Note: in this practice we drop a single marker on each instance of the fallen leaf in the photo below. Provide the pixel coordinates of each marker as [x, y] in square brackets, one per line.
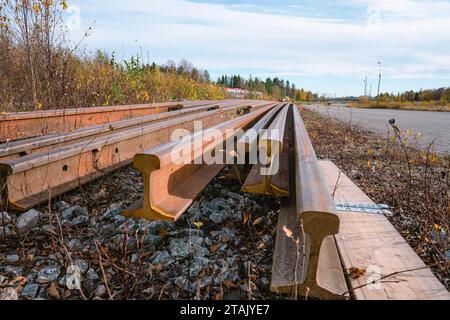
[229, 284]
[257, 221]
[356, 273]
[287, 232]
[163, 233]
[198, 224]
[53, 291]
[245, 218]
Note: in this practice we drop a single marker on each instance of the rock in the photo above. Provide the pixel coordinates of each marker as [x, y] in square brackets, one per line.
[27, 220]
[62, 282]
[74, 244]
[83, 265]
[5, 217]
[2, 279]
[163, 258]
[31, 276]
[73, 212]
[151, 240]
[61, 206]
[48, 274]
[355, 174]
[8, 294]
[267, 239]
[183, 247]
[182, 283]
[108, 231]
[132, 227]
[13, 271]
[235, 196]
[30, 291]
[438, 236]
[447, 255]
[5, 231]
[232, 203]
[114, 210]
[79, 220]
[134, 258]
[119, 219]
[92, 275]
[219, 204]
[90, 285]
[216, 217]
[155, 227]
[12, 258]
[265, 281]
[100, 291]
[197, 266]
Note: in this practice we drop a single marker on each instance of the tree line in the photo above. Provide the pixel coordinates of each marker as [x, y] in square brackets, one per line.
[430, 95]
[275, 88]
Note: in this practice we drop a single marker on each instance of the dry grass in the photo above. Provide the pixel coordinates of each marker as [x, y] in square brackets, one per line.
[419, 193]
[421, 106]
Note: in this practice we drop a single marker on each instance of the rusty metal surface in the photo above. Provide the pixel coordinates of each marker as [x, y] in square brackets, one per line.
[21, 148]
[315, 207]
[34, 179]
[170, 187]
[22, 125]
[277, 182]
[250, 140]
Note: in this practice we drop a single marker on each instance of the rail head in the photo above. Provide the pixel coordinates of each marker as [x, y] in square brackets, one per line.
[273, 138]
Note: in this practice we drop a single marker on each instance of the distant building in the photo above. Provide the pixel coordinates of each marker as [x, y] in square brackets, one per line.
[236, 93]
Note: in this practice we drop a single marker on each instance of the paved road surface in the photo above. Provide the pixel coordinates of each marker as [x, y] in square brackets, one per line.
[430, 124]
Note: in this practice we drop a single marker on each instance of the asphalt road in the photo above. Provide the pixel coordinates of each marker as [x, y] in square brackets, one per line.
[431, 125]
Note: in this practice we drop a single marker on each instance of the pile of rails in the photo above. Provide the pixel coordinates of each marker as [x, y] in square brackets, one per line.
[317, 246]
[33, 170]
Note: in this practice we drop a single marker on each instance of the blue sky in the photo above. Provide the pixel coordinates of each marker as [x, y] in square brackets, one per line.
[324, 46]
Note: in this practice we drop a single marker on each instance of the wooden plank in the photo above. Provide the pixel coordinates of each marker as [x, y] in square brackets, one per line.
[370, 242]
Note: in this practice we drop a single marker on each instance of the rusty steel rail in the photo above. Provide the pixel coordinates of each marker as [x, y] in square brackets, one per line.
[21, 125]
[170, 186]
[315, 212]
[250, 139]
[274, 142]
[35, 179]
[21, 148]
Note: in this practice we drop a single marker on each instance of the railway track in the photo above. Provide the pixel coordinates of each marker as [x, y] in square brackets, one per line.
[316, 244]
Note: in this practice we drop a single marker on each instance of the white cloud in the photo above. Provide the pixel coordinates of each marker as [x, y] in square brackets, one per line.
[412, 38]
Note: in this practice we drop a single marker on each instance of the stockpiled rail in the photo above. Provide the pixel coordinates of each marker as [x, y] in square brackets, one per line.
[171, 185]
[16, 149]
[35, 178]
[22, 125]
[316, 245]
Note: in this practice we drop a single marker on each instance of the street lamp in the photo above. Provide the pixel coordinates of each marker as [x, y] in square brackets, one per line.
[379, 81]
[365, 87]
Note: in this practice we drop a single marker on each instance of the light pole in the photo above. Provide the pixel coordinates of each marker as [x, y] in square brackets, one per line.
[370, 91]
[379, 81]
[365, 87]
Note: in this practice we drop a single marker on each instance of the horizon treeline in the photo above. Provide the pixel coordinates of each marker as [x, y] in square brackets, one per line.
[429, 95]
[275, 88]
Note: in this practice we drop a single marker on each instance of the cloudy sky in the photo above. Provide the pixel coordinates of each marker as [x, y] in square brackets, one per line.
[325, 46]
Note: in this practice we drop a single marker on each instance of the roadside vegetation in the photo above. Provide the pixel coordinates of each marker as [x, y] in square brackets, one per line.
[42, 69]
[414, 183]
[423, 100]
